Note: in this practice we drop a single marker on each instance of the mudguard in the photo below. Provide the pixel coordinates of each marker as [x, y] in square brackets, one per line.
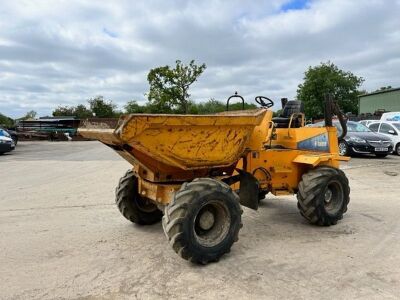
[249, 190]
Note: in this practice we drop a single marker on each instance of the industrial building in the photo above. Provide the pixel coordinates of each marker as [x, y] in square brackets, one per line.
[382, 101]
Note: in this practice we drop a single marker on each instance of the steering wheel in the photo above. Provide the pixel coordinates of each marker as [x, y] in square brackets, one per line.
[260, 100]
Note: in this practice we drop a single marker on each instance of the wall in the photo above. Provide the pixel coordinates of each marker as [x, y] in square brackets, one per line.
[390, 101]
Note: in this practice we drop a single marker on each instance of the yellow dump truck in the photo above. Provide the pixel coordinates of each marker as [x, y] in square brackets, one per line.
[194, 172]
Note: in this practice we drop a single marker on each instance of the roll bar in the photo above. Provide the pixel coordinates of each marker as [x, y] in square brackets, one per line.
[234, 96]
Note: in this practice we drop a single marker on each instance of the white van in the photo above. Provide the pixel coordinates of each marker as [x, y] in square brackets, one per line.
[391, 130]
[391, 116]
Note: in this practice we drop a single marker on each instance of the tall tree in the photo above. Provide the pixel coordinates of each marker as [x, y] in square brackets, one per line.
[82, 112]
[132, 107]
[102, 108]
[6, 121]
[328, 78]
[169, 87]
[63, 111]
[29, 115]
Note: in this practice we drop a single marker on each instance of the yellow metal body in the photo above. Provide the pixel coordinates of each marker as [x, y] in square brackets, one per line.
[167, 150]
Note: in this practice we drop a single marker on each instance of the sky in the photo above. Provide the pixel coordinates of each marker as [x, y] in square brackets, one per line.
[63, 52]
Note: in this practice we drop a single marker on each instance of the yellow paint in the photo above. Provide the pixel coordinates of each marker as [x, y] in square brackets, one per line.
[185, 141]
[166, 149]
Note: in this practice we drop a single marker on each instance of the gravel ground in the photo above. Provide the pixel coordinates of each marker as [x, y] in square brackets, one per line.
[61, 236]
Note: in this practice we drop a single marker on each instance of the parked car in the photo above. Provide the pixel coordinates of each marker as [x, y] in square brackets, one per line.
[367, 122]
[14, 136]
[391, 130]
[361, 140]
[6, 142]
[12, 133]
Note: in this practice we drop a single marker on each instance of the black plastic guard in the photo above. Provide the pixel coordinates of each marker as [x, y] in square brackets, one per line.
[248, 192]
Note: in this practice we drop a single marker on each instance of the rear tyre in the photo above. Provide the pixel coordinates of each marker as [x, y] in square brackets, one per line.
[132, 206]
[203, 220]
[381, 155]
[343, 148]
[323, 195]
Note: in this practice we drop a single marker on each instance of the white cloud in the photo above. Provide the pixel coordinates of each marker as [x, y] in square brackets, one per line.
[64, 52]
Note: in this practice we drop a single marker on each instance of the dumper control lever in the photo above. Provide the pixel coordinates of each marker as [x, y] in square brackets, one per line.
[261, 100]
[332, 108]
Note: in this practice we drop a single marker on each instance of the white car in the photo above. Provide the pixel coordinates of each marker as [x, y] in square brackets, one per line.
[367, 122]
[391, 130]
[6, 142]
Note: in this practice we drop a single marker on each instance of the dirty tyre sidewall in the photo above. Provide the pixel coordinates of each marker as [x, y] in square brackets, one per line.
[179, 226]
[225, 244]
[311, 195]
[127, 197]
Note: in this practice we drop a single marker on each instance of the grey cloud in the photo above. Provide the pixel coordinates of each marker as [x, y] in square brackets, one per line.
[52, 55]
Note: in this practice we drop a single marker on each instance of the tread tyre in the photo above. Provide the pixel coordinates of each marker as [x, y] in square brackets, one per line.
[131, 205]
[203, 220]
[343, 148]
[323, 195]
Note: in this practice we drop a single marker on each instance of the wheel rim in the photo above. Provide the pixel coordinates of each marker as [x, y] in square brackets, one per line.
[212, 223]
[333, 197]
[145, 205]
[342, 148]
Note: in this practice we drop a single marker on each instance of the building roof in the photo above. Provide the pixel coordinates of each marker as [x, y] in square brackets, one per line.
[381, 92]
[52, 120]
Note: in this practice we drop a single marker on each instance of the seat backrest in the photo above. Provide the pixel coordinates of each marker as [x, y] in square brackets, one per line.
[291, 107]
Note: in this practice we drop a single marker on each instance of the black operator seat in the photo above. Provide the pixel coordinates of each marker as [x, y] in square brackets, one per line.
[291, 107]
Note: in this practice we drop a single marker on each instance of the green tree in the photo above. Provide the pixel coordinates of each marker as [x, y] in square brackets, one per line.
[82, 112]
[328, 78]
[277, 113]
[169, 87]
[6, 121]
[211, 106]
[239, 106]
[102, 108]
[384, 88]
[132, 107]
[29, 115]
[63, 111]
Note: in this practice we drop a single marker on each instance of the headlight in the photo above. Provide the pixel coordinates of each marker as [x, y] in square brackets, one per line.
[388, 143]
[356, 139]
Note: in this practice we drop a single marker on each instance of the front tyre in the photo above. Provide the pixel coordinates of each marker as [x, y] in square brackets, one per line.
[397, 149]
[131, 205]
[323, 195]
[203, 220]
